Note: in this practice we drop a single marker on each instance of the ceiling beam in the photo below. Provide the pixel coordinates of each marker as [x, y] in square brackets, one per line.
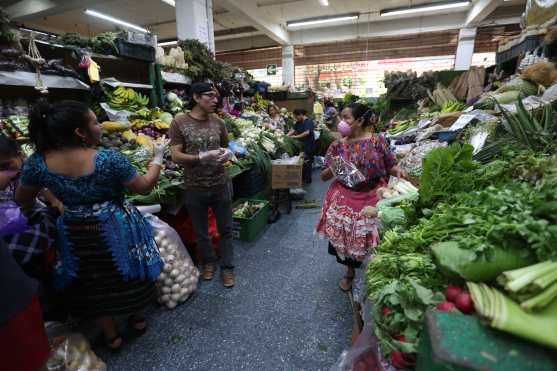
[481, 10]
[249, 9]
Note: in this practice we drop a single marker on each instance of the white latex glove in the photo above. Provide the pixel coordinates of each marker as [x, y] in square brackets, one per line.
[158, 150]
[210, 156]
[225, 156]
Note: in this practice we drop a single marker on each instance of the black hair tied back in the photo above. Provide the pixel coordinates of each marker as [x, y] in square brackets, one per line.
[363, 113]
[52, 126]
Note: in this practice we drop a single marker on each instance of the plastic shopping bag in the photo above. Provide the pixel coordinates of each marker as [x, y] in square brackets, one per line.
[347, 173]
[179, 277]
[12, 220]
[73, 353]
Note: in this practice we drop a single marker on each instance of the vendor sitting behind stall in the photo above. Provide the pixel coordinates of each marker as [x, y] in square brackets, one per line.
[275, 120]
[303, 130]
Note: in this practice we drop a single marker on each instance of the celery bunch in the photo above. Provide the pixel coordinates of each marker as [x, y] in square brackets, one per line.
[504, 314]
[534, 286]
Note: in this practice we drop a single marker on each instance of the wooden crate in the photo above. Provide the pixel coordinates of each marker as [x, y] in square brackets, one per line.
[286, 176]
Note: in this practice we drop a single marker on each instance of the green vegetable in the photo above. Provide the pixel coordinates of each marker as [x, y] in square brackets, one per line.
[457, 262]
[535, 286]
[504, 314]
[489, 101]
[525, 87]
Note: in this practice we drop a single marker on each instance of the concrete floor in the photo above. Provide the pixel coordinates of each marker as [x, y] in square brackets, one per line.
[285, 313]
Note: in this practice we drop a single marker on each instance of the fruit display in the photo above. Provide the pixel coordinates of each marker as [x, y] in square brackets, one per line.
[15, 126]
[126, 99]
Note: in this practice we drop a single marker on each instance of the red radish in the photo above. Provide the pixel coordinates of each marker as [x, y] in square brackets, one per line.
[452, 292]
[398, 360]
[386, 310]
[446, 306]
[464, 303]
[400, 338]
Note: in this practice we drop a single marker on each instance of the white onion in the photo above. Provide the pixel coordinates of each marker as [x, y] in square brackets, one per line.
[180, 278]
[175, 297]
[171, 304]
[158, 239]
[174, 273]
[171, 258]
[166, 290]
[176, 288]
[168, 282]
[183, 298]
[165, 244]
[163, 276]
[165, 298]
[167, 268]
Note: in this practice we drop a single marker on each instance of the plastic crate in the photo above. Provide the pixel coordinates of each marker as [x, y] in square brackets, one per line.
[249, 183]
[135, 51]
[249, 230]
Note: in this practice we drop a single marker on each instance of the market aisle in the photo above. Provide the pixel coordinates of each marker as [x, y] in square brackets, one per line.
[285, 313]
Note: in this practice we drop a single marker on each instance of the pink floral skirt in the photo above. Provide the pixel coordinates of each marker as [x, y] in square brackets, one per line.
[352, 234]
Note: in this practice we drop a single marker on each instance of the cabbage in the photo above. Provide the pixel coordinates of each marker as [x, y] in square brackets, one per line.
[171, 97]
[166, 118]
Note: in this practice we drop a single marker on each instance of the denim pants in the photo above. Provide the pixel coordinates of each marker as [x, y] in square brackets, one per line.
[220, 201]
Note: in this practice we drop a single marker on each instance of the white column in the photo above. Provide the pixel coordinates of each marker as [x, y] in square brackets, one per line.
[194, 20]
[465, 49]
[288, 65]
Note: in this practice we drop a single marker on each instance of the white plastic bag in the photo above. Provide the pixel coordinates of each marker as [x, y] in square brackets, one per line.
[73, 353]
[179, 277]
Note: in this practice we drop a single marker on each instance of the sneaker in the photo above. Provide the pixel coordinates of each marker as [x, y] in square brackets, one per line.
[227, 278]
[209, 271]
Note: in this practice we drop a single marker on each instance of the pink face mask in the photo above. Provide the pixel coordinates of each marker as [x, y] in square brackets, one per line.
[344, 128]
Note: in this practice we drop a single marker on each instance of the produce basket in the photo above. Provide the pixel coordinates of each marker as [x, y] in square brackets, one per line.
[250, 228]
[135, 51]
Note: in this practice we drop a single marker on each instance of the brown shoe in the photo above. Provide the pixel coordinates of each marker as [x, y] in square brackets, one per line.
[227, 278]
[209, 271]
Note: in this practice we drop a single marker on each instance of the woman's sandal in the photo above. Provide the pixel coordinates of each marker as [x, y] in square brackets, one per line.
[345, 283]
[138, 330]
[110, 343]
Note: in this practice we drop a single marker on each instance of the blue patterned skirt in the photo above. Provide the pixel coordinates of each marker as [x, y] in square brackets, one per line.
[107, 260]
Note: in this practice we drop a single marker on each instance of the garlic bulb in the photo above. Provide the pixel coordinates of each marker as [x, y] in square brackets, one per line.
[171, 304]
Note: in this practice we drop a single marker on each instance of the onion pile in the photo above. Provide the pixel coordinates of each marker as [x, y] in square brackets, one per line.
[179, 276]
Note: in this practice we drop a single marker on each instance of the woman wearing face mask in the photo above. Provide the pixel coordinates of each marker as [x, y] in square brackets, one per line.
[107, 256]
[346, 218]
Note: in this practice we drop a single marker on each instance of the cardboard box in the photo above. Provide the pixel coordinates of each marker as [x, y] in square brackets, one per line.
[286, 176]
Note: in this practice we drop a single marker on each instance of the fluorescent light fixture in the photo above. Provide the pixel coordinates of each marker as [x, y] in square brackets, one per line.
[94, 13]
[424, 8]
[324, 2]
[167, 43]
[37, 31]
[321, 20]
[169, 2]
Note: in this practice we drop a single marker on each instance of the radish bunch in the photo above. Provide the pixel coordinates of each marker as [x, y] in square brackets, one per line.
[179, 276]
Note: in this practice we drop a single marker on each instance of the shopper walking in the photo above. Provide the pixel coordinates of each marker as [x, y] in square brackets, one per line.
[346, 219]
[22, 336]
[199, 142]
[107, 256]
[303, 129]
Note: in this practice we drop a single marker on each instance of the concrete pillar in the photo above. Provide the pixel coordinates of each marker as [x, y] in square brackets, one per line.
[465, 49]
[194, 20]
[288, 65]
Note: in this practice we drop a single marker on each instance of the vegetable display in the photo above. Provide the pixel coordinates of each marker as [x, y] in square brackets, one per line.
[247, 209]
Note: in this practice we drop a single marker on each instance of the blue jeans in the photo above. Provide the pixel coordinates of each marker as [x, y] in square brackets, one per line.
[220, 201]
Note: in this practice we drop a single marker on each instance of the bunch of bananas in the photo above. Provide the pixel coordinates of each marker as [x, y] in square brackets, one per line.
[128, 99]
[453, 106]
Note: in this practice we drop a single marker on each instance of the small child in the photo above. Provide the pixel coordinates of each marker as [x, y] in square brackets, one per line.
[29, 242]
